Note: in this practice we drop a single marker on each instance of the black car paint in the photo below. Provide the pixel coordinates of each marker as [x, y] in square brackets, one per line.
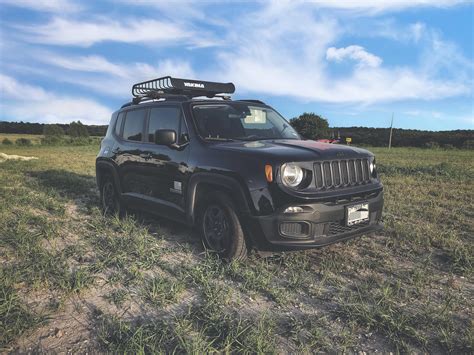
[145, 173]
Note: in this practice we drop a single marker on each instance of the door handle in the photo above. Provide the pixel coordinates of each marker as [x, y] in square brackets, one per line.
[146, 156]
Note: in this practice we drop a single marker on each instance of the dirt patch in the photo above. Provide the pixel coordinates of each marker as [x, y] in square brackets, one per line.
[5, 157]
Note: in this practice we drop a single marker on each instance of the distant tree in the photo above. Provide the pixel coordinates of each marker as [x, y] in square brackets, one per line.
[78, 130]
[52, 130]
[6, 141]
[311, 126]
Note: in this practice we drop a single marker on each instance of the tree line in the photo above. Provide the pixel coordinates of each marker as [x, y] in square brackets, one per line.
[73, 129]
[313, 126]
[309, 125]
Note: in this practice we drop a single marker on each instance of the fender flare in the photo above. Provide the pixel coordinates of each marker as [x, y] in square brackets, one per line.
[109, 167]
[224, 182]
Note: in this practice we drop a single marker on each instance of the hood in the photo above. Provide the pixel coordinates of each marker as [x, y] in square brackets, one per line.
[294, 150]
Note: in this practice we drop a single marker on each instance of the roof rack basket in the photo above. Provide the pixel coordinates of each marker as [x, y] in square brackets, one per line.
[166, 86]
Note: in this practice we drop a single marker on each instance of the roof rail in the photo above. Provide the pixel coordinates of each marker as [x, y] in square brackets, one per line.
[166, 86]
[137, 100]
[252, 100]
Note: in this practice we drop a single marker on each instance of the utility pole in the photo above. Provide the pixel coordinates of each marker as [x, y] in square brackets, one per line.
[391, 129]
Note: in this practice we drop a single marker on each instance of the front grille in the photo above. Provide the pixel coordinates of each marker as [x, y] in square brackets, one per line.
[341, 173]
[336, 228]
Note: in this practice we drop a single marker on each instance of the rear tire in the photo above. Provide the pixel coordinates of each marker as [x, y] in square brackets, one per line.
[220, 228]
[109, 198]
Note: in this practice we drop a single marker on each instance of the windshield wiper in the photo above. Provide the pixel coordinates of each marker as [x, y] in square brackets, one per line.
[218, 139]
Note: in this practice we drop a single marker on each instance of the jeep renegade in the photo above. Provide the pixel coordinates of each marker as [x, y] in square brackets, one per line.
[235, 169]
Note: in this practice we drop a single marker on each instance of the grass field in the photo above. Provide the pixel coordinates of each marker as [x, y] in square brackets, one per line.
[72, 280]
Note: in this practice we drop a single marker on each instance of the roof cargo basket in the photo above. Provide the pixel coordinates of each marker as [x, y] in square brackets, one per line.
[166, 86]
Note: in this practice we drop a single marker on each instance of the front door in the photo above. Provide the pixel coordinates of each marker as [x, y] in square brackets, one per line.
[167, 167]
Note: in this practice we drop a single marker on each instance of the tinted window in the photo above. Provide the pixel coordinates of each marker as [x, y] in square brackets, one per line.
[118, 124]
[133, 127]
[241, 121]
[163, 118]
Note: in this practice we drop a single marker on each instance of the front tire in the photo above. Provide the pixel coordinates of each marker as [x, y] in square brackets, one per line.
[221, 230]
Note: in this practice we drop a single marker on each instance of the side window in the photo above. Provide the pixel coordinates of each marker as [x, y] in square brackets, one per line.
[133, 127]
[118, 123]
[163, 118]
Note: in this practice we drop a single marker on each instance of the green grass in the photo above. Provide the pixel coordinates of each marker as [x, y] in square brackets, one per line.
[147, 285]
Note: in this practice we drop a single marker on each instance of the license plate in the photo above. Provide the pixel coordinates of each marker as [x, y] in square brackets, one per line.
[357, 213]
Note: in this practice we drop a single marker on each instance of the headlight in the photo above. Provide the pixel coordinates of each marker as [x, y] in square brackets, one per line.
[291, 174]
[372, 168]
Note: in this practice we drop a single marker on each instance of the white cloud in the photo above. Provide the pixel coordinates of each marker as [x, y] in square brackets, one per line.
[62, 31]
[26, 102]
[12, 89]
[424, 113]
[353, 52]
[112, 79]
[282, 50]
[417, 30]
[384, 5]
[92, 63]
[55, 6]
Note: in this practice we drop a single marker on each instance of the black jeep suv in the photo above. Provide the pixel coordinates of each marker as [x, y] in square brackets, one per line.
[236, 170]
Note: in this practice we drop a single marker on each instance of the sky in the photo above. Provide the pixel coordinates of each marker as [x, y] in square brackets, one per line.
[354, 62]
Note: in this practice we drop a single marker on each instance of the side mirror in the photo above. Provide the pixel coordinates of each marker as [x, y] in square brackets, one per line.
[165, 137]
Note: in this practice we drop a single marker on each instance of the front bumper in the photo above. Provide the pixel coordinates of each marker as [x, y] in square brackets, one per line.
[323, 224]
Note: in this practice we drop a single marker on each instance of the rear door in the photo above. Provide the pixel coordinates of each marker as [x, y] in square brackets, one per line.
[167, 167]
[129, 151]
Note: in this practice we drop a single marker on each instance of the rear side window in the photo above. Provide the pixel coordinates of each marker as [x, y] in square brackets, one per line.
[133, 127]
[118, 123]
[163, 118]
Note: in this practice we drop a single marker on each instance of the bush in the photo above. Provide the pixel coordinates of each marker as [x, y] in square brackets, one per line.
[78, 141]
[448, 146]
[431, 145]
[52, 130]
[6, 141]
[311, 126]
[23, 142]
[469, 144]
[78, 130]
[52, 140]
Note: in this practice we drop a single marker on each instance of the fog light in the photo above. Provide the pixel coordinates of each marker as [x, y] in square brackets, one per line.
[294, 209]
[298, 230]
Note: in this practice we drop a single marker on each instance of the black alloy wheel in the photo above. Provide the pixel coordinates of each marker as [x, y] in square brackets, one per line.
[216, 228]
[109, 198]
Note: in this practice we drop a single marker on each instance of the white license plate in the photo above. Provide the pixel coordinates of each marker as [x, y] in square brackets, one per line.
[357, 213]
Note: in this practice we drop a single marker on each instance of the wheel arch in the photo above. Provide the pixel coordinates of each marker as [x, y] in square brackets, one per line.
[201, 184]
[103, 168]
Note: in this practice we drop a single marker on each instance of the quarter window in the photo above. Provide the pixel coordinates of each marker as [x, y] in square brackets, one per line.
[133, 127]
[164, 118]
[118, 124]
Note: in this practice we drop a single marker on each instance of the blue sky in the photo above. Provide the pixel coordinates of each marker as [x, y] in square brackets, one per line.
[353, 62]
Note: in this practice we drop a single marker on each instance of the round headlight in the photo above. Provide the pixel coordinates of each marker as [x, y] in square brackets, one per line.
[291, 175]
[372, 167]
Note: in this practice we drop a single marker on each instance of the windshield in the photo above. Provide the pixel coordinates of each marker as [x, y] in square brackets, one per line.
[239, 121]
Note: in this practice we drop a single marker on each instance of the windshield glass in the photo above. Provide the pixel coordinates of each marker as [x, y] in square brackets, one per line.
[239, 121]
